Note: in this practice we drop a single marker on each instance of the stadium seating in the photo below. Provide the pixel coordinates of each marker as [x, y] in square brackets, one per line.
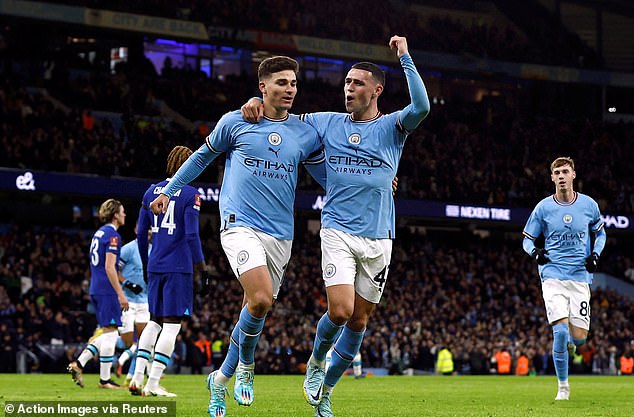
[471, 295]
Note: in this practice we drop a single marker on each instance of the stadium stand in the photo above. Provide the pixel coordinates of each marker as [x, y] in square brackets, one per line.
[451, 289]
[471, 295]
[455, 156]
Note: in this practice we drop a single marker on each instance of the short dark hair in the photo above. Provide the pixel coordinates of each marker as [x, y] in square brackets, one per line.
[377, 73]
[276, 64]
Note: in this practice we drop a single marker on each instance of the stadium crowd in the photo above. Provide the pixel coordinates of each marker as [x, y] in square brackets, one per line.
[473, 296]
[476, 153]
[445, 30]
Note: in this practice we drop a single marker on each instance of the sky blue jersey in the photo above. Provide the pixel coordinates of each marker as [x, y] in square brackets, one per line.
[131, 268]
[176, 245]
[567, 229]
[105, 240]
[258, 188]
[362, 158]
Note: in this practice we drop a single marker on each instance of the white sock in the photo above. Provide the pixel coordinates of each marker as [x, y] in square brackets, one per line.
[221, 379]
[106, 354]
[162, 353]
[356, 365]
[86, 354]
[144, 349]
[127, 354]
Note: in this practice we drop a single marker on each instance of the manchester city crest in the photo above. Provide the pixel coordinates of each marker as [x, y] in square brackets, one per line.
[354, 139]
[243, 256]
[329, 270]
[567, 218]
[275, 139]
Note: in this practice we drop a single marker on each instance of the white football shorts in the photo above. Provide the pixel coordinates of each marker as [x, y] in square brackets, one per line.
[136, 313]
[247, 248]
[354, 260]
[567, 299]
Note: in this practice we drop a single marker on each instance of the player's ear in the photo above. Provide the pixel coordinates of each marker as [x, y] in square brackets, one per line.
[377, 90]
[262, 87]
[574, 174]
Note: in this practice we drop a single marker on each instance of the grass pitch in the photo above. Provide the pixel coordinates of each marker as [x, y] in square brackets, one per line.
[281, 396]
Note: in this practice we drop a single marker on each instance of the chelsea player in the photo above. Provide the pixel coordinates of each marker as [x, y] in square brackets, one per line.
[256, 209]
[176, 249]
[105, 293]
[570, 222]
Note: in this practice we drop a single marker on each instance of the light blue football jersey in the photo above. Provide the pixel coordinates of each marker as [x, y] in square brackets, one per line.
[361, 160]
[258, 188]
[131, 268]
[567, 229]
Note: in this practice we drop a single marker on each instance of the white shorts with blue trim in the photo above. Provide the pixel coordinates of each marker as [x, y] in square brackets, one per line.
[567, 299]
[355, 260]
[137, 313]
[247, 248]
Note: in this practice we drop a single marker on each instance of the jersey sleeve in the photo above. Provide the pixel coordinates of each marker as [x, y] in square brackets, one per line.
[220, 139]
[597, 227]
[315, 162]
[192, 214]
[190, 170]
[412, 115]
[597, 222]
[142, 229]
[114, 243]
[316, 121]
[124, 256]
[533, 227]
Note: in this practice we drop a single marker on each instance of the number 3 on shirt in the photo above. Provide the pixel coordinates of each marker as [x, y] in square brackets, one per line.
[168, 220]
[94, 252]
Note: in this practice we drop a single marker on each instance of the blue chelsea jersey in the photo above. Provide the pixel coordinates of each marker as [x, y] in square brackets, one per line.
[170, 230]
[105, 240]
[567, 229]
[362, 158]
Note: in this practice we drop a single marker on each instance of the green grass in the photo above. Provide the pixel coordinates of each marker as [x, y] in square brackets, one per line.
[281, 396]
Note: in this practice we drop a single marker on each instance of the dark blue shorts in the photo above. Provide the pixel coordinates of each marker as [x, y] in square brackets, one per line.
[170, 294]
[108, 310]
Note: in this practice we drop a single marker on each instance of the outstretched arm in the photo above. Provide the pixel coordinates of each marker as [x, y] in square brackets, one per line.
[190, 169]
[415, 112]
[188, 172]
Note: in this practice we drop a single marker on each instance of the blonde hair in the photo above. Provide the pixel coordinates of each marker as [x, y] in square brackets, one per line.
[561, 161]
[108, 209]
[176, 158]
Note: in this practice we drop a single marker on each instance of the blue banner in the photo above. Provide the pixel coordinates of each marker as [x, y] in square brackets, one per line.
[31, 181]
